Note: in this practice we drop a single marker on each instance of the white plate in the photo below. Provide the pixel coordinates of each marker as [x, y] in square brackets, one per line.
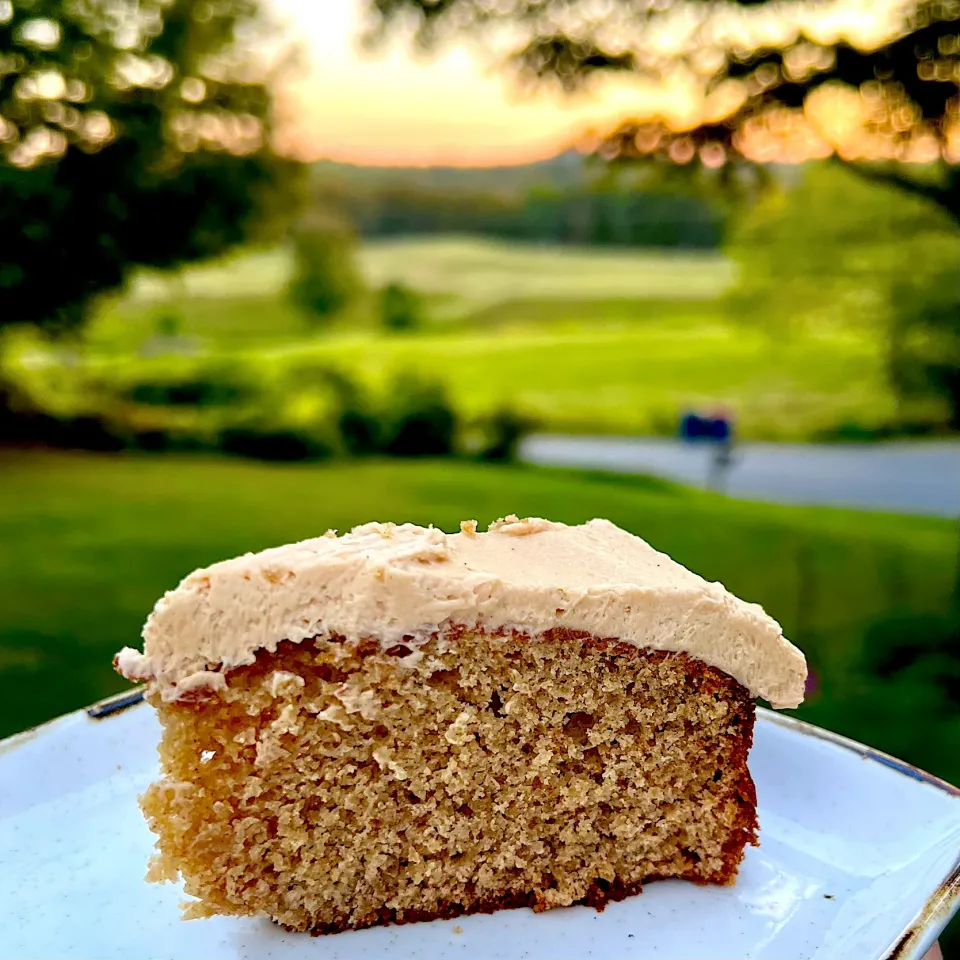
[858, 861]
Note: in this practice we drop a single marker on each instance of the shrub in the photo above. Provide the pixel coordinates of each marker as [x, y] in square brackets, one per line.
[21, 420]
[419, 420]
[174, 438]
[352, 415]
[359, 430]
[26, 419]
[269, 442]
[325, 276]
[500, 435]
[399, 307]
[152, 441]
[305, 410]
[87, 432]
[91, 432]
[909, 641]
[924, 347]
[168, 325]
[217, 384]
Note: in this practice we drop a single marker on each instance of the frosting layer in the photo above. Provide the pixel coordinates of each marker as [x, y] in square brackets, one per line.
[391, 582]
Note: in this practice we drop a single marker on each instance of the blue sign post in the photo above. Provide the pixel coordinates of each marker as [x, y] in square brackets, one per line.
[717, 431]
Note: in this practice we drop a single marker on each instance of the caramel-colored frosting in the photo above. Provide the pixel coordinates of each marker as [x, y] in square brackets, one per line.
[391, 582]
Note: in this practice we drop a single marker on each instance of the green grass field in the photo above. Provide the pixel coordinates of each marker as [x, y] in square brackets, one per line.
[604, 375]
[92, 541]
[579, 340]
[476, 271]
[464, 282]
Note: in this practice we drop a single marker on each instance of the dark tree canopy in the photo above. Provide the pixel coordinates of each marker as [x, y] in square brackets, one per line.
[769, 69]
[131, 132]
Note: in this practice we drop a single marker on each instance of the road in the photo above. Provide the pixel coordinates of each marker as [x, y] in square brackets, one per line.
[906, 477]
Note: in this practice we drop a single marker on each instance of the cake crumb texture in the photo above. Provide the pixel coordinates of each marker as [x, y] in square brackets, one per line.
[334, 785]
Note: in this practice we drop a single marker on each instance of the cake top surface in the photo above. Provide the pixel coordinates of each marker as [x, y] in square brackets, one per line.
[393, 582]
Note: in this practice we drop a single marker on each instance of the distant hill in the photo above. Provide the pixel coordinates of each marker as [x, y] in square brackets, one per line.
[566, 170]
[558, 200]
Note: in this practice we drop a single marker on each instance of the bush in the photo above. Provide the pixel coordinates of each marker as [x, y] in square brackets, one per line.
[399, 307]
[90, 433]
[500, 435]
[352, 416]
[217, 385]
[269, 442]
[168, 325]
[325, 277]
[187, 393]
[419, 421]
[924, 352]
[910, 642]
[21, 420]
[174, 438]
[412, 418]
[818, 254]
[304, 410]
[152, 441]
[359, 429]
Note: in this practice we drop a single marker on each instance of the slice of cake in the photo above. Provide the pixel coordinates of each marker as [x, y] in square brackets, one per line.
[401, 724]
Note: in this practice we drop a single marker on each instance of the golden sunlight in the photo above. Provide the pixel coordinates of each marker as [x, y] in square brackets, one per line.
[395, 108]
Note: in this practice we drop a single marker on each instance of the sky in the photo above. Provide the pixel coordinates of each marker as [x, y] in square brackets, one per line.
[393, 108]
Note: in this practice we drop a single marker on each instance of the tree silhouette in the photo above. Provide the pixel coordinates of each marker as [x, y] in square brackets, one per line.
[325, 274]
[131, 132]
[780, 80]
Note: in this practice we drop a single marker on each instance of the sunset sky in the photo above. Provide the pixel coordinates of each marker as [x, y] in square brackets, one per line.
[394, 109]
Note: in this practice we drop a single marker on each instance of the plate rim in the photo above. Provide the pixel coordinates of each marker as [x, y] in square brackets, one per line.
[913, 942]
[938, 909]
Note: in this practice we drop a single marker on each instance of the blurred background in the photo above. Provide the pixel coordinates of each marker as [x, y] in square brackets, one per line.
[273, 266]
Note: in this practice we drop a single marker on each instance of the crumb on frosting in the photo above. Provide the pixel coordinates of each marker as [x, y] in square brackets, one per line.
[513, 526]
[595, 577]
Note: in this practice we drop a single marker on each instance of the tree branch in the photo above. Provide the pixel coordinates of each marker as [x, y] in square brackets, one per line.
[894, 178]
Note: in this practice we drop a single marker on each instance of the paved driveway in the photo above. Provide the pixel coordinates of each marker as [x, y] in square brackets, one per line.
[907, 477]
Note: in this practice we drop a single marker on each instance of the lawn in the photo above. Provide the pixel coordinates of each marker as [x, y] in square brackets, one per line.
[463, 281]
[90, 542]
[473, 272]
[604, 367]
[578, 340]
[590, 371]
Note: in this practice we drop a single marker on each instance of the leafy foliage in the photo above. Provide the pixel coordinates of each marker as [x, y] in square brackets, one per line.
[828, 254]
[131, 132]
[419, 420]
[760, 65]
[325, 277]
[824, 249]
[309, 410]
[399, 307]
[925, 337]
[500, 435]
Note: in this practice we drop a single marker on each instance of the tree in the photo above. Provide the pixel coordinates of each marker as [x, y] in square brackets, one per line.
[774, 76]
[399, 307]
[924, 356]
[325, 275]
[827, 251]
[131, 132]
